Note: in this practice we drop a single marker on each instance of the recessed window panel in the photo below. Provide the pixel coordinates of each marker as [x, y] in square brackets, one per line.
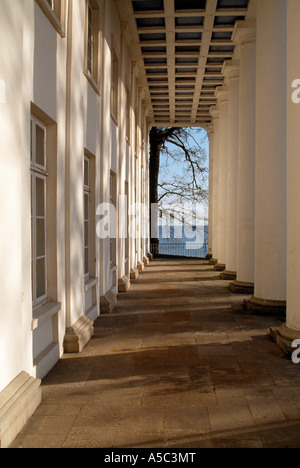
[40, 237]
[40, 197]
[40, 277]
[40, 146]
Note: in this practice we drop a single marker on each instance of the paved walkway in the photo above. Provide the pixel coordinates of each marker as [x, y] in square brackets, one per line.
[175, 366]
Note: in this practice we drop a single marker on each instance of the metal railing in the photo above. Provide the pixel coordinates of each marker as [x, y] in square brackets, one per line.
[179, 250]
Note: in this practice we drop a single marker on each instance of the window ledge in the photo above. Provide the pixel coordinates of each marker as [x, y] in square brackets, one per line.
[92, 82]
[90, 283]
[44, 5]
[44, 313]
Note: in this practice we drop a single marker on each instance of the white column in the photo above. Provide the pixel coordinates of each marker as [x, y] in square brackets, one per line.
[222, 96]
[291, 330]
[245, 37]
[231, 72]
[270, 203]
[215, 183]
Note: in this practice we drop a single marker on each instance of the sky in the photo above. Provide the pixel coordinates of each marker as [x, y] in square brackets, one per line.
[169, 168]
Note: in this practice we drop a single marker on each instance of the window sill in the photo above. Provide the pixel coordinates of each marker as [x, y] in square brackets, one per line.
[90, 283]
[44, 313]
[44, 5]
[92, 82]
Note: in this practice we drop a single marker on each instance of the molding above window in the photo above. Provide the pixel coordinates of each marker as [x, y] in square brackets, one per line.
[58, 22]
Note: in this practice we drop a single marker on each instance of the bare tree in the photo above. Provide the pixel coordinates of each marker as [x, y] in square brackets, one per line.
[177, 146]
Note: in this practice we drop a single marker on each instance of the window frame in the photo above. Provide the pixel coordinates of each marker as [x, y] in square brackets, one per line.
[86, 236]
[115, 86]
[37, 171]
[56, 13]
[89, 215]
[93, 72]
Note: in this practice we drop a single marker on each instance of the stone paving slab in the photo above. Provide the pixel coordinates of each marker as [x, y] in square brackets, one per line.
[179, 364]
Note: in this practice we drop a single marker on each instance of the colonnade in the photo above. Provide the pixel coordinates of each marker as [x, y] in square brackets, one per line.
[255, 141]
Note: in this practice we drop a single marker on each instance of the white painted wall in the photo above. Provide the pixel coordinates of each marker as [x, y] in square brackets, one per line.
[45, 75]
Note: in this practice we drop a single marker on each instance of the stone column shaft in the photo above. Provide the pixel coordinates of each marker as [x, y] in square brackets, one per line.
[231, 72]
[270, 203]
[215, 184]
[211, 189]
[290, 331]
[245, 37]
[222, 96]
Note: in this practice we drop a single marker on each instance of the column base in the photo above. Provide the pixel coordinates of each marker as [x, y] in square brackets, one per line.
[78, 336]
[140, 266]
[150, 256]
[208, 257]
[18, 402]
[124, 284]
[228, 275]
[146, 261]
[213, 261]
[134, 273]
[220, 267]
[108, 302]
[241, 287]
[284, 337]
[258, 306]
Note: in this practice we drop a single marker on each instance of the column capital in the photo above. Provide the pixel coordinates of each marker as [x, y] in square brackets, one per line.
[221, 94]
[231, 70]
[214, 111]
[244, 32]
[210, 129]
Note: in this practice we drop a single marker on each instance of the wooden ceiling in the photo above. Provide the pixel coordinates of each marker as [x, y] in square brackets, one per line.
[180, 47]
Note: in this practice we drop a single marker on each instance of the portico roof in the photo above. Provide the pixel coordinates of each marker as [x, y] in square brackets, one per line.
[180, 47]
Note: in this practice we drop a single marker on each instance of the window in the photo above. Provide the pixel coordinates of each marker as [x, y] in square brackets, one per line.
[92, 60]
[55, 10]
[55, 6]
[114, 85]
[86, 195]
[89, 215]
[38, 212]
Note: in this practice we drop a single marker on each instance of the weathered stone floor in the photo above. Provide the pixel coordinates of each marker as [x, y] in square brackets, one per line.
[175, 366]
